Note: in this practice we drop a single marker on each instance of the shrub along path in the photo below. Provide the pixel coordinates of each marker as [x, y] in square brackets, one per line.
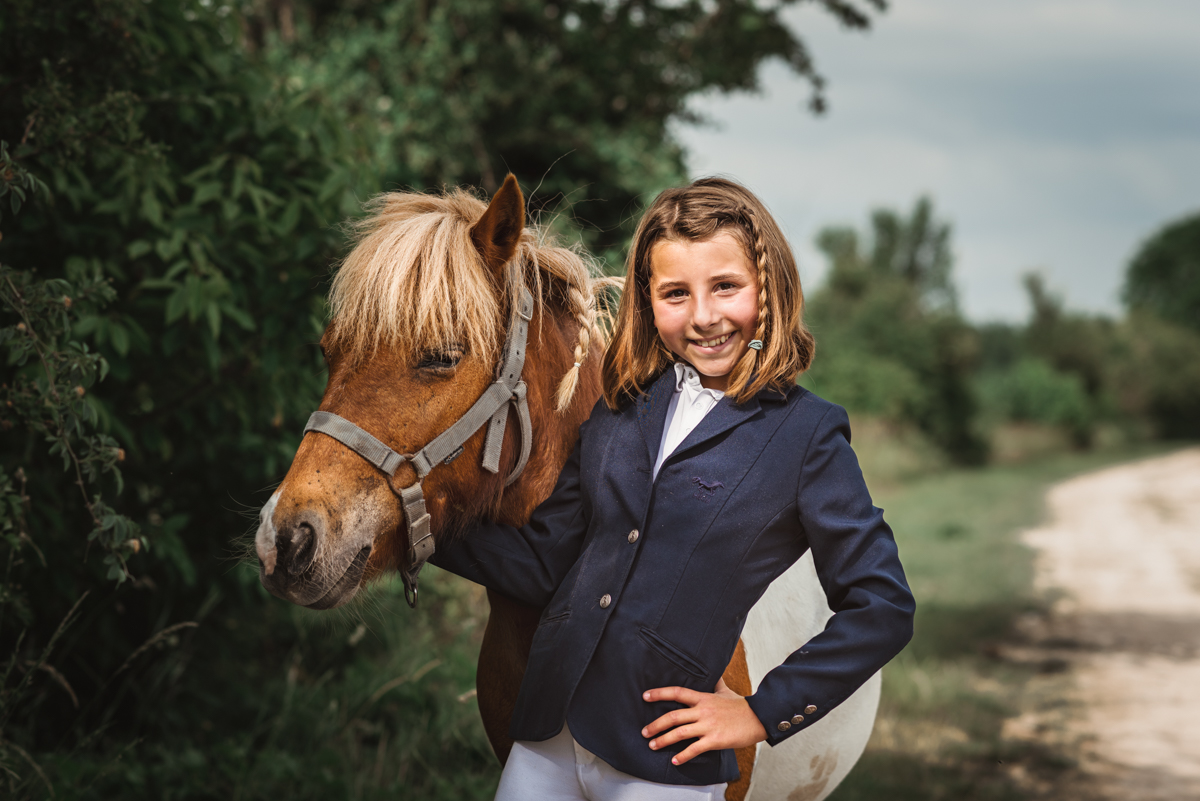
[1123, 550]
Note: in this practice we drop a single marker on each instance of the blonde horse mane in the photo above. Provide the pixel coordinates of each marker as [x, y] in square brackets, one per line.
[414, 277]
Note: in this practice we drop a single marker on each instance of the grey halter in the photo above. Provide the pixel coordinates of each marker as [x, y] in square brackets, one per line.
[508, 389]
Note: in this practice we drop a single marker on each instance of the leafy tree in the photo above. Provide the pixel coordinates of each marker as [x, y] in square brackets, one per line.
[575, 95]
[1164, 277]
[1072, 342]
[1156, 375]
[890, 339]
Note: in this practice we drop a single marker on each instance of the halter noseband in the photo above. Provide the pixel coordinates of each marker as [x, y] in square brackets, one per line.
[508, 389]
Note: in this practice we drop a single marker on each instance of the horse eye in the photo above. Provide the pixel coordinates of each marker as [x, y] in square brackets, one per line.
[439, 360]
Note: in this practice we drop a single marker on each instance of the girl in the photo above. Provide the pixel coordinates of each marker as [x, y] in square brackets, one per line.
[703, 473]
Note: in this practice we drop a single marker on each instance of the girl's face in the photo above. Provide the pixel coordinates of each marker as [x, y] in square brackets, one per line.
[705, 301]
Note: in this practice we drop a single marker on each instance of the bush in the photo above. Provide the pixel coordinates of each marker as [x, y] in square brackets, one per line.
[1033, 391]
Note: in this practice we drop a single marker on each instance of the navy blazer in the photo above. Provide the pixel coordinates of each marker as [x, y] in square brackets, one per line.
[648, 583]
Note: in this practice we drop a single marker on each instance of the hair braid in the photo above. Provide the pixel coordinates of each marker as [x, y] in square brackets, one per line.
[583, 304]
[760, 258]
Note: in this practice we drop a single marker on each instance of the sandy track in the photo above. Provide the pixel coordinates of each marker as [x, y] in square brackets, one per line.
[1122, 550]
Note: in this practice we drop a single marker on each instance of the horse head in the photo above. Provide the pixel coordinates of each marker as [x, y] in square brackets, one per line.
[420, 311]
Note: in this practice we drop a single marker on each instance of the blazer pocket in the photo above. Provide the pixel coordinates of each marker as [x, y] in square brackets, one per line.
[673, 654]
[562, 614]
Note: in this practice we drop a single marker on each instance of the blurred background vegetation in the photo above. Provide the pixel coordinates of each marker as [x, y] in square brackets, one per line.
[173, 179]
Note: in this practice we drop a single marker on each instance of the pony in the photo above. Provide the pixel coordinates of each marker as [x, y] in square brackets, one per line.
[422, 310]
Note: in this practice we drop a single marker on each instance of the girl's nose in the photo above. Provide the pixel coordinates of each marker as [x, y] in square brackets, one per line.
[705, 314]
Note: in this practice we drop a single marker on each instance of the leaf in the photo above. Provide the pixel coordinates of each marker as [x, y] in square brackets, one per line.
[176, 305]
[214, 318]
[119, 338]
[289, 218]
[238, 316]
[207, 191]
[151, 209]
[177, 268]
[138, 248]
[86, 325]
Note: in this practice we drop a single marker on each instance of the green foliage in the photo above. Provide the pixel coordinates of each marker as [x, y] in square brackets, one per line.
[890, 340]
[1164, 277]
[576, 96]
[1158, 374]
[1033, 391]
[49, 397]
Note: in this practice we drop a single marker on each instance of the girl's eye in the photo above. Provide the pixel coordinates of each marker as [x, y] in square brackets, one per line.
[439, 360]
[725, 285]
[676, 293]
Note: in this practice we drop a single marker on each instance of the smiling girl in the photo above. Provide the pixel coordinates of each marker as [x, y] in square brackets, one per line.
[703, 474]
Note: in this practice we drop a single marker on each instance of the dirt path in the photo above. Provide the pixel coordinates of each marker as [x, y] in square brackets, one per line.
[1123, 549]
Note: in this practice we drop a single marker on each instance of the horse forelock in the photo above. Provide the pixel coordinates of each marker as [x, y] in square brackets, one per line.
[415, 280]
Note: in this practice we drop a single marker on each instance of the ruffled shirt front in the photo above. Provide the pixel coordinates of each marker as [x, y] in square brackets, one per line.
[689, 404]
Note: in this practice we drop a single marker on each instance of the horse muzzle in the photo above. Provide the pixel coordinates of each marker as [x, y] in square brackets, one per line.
[295, 562]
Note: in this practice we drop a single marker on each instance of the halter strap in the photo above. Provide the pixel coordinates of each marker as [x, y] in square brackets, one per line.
[507, 391]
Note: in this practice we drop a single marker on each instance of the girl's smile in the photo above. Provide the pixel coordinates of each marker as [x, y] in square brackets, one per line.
[704, 296]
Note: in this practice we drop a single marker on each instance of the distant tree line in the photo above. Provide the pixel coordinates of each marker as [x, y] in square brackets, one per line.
[893, 344]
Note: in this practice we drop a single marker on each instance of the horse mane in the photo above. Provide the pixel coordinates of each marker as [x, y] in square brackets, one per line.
[415, 277]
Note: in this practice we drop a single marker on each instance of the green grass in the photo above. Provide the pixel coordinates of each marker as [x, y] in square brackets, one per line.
[371, 702]
[946, 697]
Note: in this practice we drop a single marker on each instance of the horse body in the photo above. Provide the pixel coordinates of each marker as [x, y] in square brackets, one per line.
[420, 306]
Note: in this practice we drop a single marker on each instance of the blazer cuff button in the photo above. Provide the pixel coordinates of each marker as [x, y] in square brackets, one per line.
[797, 720]
[810, 709]
[784, 725]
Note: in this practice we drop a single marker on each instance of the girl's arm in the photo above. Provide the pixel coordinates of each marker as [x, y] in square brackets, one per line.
[859, 568]
[526, 563]
[857, 563]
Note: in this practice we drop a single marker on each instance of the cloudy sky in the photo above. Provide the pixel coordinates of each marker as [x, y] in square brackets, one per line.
[1053, 134]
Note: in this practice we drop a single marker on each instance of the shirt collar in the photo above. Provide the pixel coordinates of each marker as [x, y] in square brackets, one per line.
[687, 378]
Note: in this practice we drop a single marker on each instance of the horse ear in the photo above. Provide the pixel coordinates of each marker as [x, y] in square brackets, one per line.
[498, 231]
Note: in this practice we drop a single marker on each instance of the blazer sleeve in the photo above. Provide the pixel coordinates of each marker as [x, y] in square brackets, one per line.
[526, 563]
[859, 569]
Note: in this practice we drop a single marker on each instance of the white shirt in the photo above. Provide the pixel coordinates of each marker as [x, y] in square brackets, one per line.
[689, 404]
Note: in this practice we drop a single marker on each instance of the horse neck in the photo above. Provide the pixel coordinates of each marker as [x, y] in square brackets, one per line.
[553, 334]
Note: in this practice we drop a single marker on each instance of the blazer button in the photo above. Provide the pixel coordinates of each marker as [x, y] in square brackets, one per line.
[797, 720]
[811, 708]
[605, 600]
[784, 725]
[633, 536]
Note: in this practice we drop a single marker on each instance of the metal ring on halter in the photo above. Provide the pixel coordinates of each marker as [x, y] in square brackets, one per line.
[755, 344]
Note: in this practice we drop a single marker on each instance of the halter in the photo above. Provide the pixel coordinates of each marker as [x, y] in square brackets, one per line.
[507, 390]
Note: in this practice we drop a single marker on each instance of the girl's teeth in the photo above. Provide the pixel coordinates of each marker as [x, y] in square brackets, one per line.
[712, 343]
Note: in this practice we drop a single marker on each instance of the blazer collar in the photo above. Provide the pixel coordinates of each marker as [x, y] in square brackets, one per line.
[652, 408]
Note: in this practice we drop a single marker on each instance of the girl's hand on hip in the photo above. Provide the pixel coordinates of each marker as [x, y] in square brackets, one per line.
[717, 720]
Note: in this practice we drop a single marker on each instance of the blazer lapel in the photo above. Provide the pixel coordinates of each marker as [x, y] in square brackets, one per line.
[652, 408]
[724, 416]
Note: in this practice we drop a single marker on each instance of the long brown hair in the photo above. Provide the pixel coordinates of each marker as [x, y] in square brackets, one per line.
[697, 212]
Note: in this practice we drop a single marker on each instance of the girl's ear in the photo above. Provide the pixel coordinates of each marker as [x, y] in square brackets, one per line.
[498, 231]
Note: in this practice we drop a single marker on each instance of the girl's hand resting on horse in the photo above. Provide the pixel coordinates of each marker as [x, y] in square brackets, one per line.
[720, 719]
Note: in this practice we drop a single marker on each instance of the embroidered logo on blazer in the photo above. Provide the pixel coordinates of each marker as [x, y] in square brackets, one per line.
[706, 488]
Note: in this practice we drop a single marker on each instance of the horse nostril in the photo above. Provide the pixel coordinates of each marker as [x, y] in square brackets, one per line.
[297, 548]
